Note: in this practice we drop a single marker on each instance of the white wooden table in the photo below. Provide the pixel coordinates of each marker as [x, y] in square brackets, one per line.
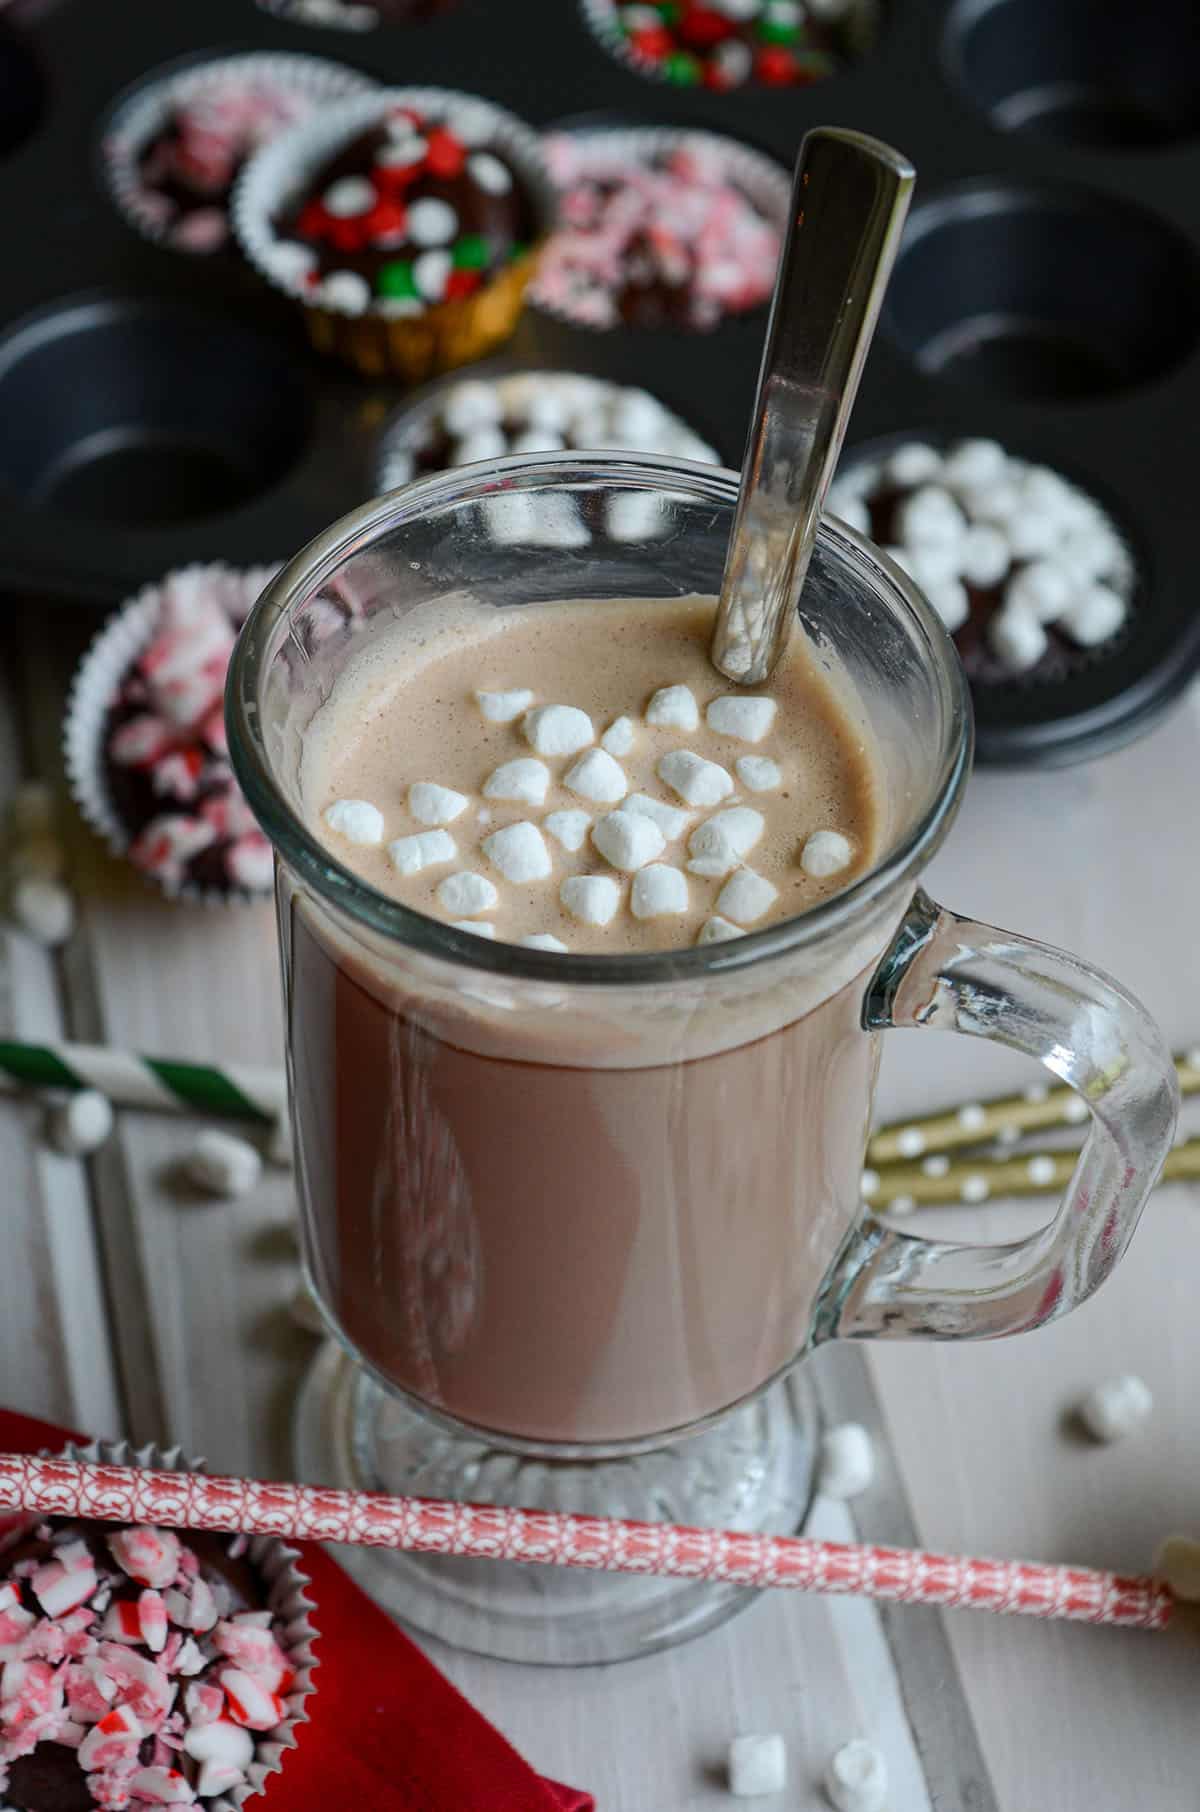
[126, 1307]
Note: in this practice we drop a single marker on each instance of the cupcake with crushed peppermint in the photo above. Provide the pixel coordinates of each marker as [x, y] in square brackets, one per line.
[726, 44]
[145, 740]
[408, 223]
[174, 149]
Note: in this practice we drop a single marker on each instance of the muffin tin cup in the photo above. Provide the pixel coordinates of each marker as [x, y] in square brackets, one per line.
[143, 114]
[444, 335]
[287, 1592]
[97, 681]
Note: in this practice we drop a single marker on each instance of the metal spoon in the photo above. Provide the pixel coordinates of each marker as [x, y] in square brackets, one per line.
[850, 195]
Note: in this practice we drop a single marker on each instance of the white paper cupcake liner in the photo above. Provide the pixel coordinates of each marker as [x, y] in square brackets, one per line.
[764, 183]
[142, 115]
[279, 173]
[857, 32]
[97, 681]
[337, 15]
[287, 1593]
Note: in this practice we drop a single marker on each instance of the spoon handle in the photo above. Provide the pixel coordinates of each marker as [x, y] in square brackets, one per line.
[850, 195]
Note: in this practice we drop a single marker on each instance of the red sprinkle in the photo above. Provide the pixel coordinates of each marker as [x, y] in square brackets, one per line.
[444, 155]
[462, 283]
[776, 66]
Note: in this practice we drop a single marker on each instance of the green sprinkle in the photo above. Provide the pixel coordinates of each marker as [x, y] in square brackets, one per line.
[669, 11]
[681, 68]
[771, 32]
[471, 252]
[396, 279]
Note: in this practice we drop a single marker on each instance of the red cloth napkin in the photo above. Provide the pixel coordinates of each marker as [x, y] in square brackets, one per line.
[387, 1733]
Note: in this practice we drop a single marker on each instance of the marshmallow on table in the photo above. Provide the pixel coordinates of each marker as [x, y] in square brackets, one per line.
[519, 852]
[847, 1460]
[673, 708]
[558, 729]
[543, 940]
[758, 773]
[570, 828]
[427, 849]
[856, 1778]
[44, 910]
[596, 776]
[697, 782]
[467, 893]
[618, 738]
[757, 1764]
[222, 1164]
[433, 804]
[741, 715]
[357, 820]
[628, 839]
[718, 931]
[503, 707]
[1178, 1563]
[1115, 1407]
[659, 891]
[745, 897]
[1017, 639]
[526, 780]
[591, 898]
[81, 1123]
[825, 853]
[719, 844]
[671, 821]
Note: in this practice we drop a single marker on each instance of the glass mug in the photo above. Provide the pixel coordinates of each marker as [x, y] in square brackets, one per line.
[574, 1219]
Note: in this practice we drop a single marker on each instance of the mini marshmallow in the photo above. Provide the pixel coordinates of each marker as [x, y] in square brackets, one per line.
[1115, 1407]
[825, 853]
[526, 780]
[618, 738]
[222, 1164]
[45, 910]
[1092, 551]
[697, 782]
[543, 940]
[1032, 533]
[854, 513]
[718, 931]
[997, 503]
[758, 773]
[717, 846]
[949, 598]
[305, 1311]
[478, 927]
[598, 777]
[466, 893]
[736, 714]
[628, 839]
[856, 1778]
[1178, 1563]
[81, 1124]
[409, 855]
[670, 820]
[658, 891]
[847, 1460]
[1043, 589]
[503, 707]
[929, 514]
[673, 708]
[913, 464]
[569, 828]
[745, 897]
[471, 405]
[592, 898]
[480, 444]
[933, 563]
[975, 463]
[757, 1765]
[1094, 616]
[519, 852]
[357, 820]
[984, 554]
[558, 729]
[1017, 639]
[433, 804]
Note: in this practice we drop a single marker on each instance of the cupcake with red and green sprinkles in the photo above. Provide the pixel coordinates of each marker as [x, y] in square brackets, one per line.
[408, 223]
[725, 44]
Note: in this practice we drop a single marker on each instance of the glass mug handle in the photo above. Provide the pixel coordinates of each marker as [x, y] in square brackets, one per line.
[950, 974]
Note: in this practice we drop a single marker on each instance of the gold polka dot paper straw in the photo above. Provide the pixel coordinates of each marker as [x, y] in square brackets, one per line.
[938, 1182]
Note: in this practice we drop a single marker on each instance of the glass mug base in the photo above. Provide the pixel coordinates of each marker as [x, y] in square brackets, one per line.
[753, 1470]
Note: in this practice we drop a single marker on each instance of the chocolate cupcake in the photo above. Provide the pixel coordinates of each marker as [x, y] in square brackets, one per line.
[174, 149]
[1026, 570]
[356, 15]
[723, 44]
[408, 224]
[660, 229]
[145, 741]
[145, 1668]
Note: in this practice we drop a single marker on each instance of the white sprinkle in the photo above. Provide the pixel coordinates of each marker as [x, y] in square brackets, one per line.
[1043, 590]
[356, 820]
[1178, 1563]
[936, 1166]
[1075, 1110]
[519, 852]
[481, 443]
[826, 853]
[433, 804]
[673, 708]
[900, 1204]
[847, 1461]
[856, 1778]
[543, 940]
[431, 272]
[1041, 1170]
[479, 927]
[467, 893]
[628, 839]
[697, 782]
[658, 891]
[476, 405]
[525, 780]
[757, 1764]
[975, 1189]
[502, 707]
[592, 898]
[45, 910]
[718, 931]
[972, 1117]
[568, 828]
[973, 463]
[746, 896]
[1115, 1407]
[869, 1183]
[718, 845]
[596, 776]
[1095, 616]
[558, 729]
[222, 1164]
[346, 291]
[80, 1124]
[741, 715]
[489, 174]
[670, 820]
[929, 514]
[431, 221]
[910, 1143]
[985, 554]
[618, 738]
[758, 772]
[913, 464]
[349, 197]
[409, 855]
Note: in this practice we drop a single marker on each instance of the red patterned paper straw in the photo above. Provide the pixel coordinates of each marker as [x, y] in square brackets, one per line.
[558, 1539]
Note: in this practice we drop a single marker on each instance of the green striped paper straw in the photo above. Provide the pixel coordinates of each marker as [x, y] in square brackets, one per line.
[233, 1091]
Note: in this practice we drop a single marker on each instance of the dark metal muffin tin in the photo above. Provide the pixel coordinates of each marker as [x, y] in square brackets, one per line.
[160, 408]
